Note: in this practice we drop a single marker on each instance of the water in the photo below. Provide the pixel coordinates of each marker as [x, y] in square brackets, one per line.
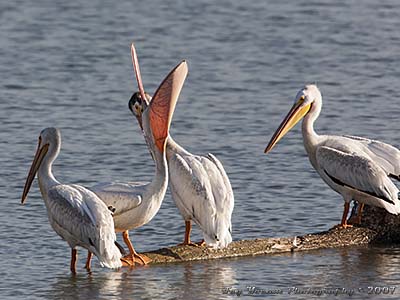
[67, 64]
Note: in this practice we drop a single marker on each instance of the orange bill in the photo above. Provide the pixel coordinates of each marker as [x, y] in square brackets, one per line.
[293, 117]
[163, 103]
[40, 154]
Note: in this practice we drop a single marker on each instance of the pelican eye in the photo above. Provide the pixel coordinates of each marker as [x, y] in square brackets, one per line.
[137, 107]
[301, 100]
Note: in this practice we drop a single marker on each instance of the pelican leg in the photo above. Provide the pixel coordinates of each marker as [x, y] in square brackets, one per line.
[188, 230]
[359, 212]
[74, 255]
[344, 224]
[356, 218]
[133, 256]
[88, 260]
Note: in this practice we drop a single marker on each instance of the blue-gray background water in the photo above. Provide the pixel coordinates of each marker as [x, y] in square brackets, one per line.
[67, 64]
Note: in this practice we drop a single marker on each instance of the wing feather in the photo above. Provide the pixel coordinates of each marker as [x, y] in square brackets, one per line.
[358, 172]
[81, 218]
[387, 156]
[190, 185]
[120, 196]
[228, 200]
[70, 201]
[200, 191]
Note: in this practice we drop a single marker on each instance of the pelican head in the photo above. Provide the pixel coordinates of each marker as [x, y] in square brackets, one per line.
[303, 103]
[137, 106]
[156, 120]
[155, 117]
[49, 142]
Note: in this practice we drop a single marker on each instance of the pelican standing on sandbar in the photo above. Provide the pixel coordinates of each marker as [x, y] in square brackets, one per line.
[199, 185]
[135, 204]
[75, 213]
[357, 168]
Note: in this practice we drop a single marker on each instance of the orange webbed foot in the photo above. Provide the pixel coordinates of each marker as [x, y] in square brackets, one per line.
[132, 260]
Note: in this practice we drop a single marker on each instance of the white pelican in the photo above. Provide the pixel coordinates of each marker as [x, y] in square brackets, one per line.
[135, 204]
[199, 184]
[355, 167]
[74, 212]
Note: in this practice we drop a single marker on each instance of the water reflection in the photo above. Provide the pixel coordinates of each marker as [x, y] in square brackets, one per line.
[378, 265]
[343, 270]
[350, 268]
[197, 280]
[358, 269]
[187, 281]
[200, 280]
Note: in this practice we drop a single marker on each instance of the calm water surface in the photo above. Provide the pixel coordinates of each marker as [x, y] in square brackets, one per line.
[67, 64]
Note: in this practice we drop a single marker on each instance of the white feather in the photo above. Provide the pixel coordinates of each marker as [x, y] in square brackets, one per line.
[363, 179]
[202, 193]
[82, 219]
